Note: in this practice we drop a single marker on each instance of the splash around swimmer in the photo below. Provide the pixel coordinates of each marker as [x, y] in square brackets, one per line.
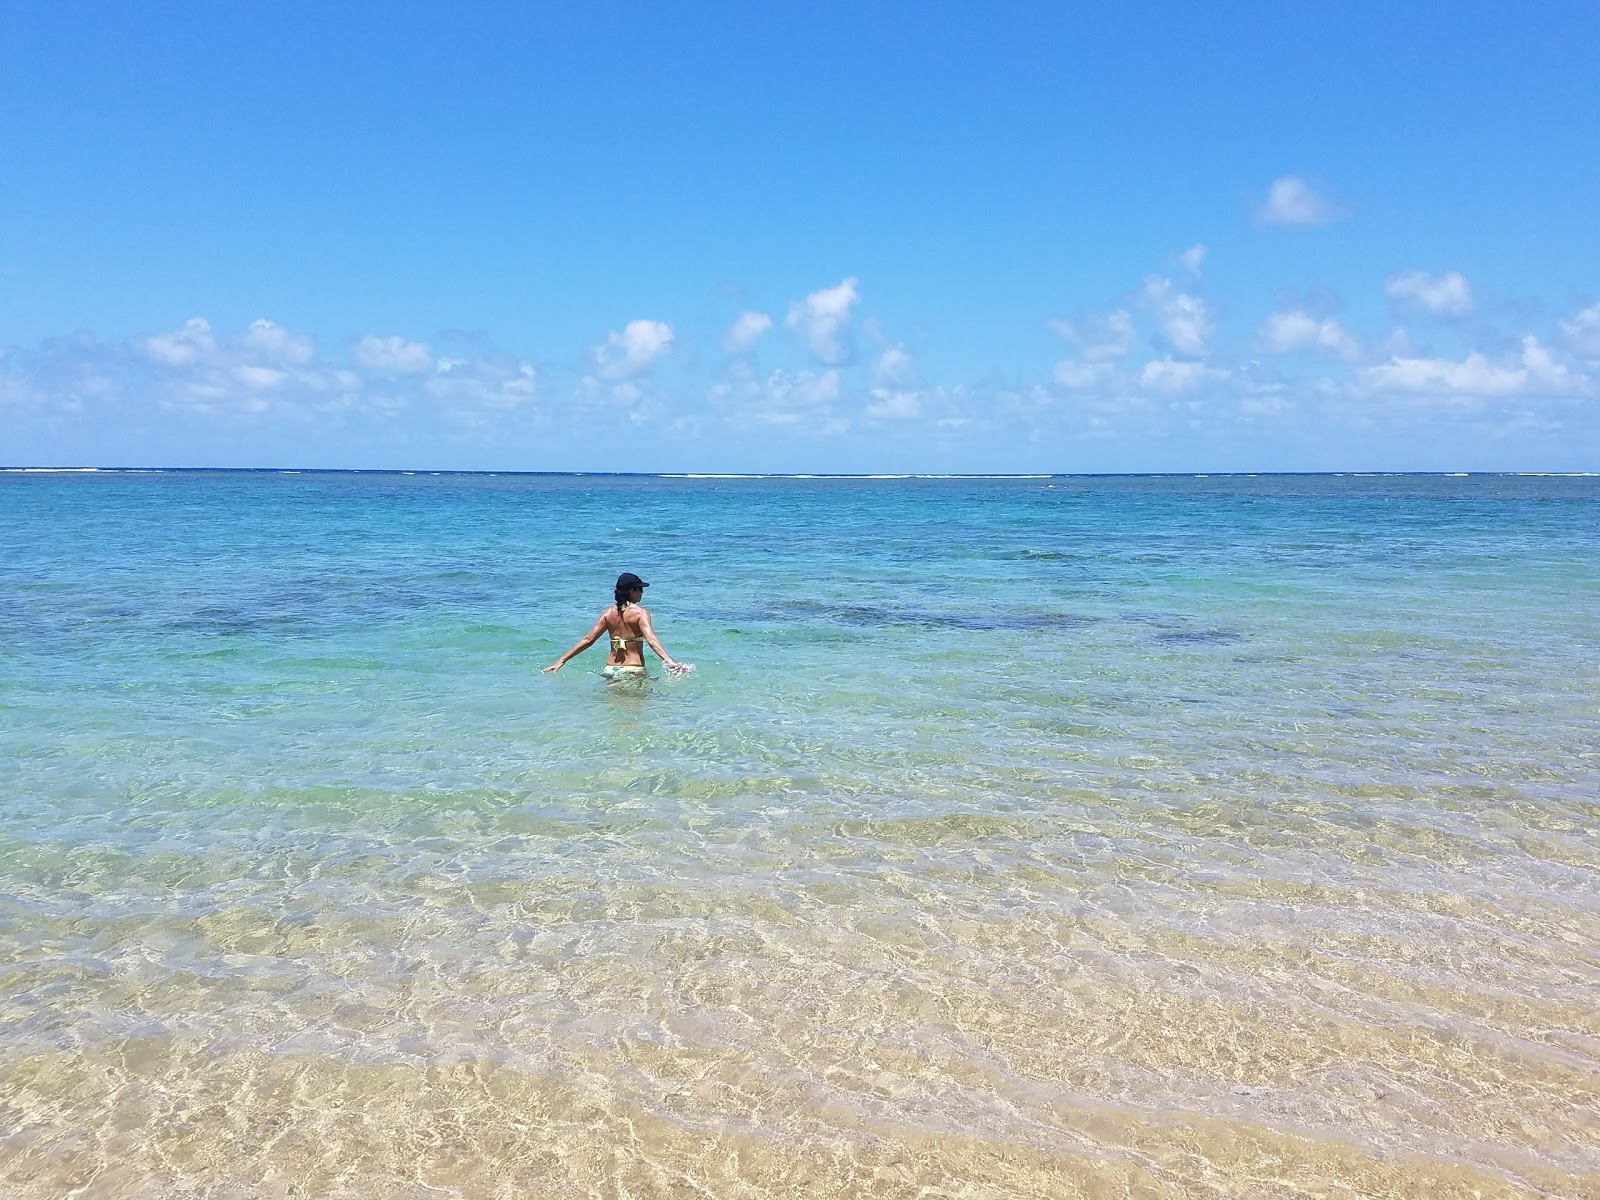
[628, 623]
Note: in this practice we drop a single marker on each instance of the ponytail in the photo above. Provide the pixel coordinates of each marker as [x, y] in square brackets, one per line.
[627, 584]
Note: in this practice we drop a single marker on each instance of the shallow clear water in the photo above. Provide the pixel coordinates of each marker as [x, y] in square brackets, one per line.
[1074, 837]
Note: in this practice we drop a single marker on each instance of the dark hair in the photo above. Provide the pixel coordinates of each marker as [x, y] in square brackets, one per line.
[622, 597]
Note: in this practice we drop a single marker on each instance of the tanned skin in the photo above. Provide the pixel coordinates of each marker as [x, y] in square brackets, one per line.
[632, 622]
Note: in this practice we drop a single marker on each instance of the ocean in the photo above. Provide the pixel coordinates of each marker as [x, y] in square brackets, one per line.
[1225, 836]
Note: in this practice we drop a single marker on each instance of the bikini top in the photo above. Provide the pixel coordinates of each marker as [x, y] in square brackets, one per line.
[620, 644]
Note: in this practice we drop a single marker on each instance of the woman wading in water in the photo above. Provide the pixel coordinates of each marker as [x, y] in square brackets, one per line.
[628, 623]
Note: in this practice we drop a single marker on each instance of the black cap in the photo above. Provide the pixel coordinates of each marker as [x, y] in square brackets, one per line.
[627, 581]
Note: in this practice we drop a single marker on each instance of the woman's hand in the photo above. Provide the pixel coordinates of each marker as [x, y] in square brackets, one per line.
[679, 668]
[553, 667]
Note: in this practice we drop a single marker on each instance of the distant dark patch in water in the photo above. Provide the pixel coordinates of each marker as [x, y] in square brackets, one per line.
[1165, 620]
[309, 606]
[1200, 636]
[871, 616]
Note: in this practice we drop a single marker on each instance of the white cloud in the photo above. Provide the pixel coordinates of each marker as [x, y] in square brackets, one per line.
[1544, 373]
[1397, 344]
[196, 342]
[1476, 376]
[746, 329]
[636, 399]
[393, 354]
[267, 381]
[894, 367]
[1262, 405]
[1099, 338]
[1533, 371]
[1083, 376]
[1291, 332]
[1582, 333]
[1447, 295]
[1165, 375]
[1193, 258]
[192, 343]
[259, 378]
[493, 381]
[64, 375]
[894, 405]
[261, 375]
[822, 319]
[799, 400]
[802, 389]
[1292, 201]
[276, 344]
[626, 354]
[1184, 322]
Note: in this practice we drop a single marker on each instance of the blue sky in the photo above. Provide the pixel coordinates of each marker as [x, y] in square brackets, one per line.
[822, 237]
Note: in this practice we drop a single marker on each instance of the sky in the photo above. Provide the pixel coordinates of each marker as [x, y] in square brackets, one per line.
[822, 237]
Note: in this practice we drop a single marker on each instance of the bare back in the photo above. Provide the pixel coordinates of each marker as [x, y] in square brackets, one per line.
[627, 626]
[628, 629]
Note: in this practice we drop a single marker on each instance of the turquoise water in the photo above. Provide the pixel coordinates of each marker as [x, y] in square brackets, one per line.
[1033, 837]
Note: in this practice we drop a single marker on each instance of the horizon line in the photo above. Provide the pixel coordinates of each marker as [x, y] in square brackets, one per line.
[863, 475]
[440, 471]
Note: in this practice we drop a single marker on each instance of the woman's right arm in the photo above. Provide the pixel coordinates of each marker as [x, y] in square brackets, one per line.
[584, 643]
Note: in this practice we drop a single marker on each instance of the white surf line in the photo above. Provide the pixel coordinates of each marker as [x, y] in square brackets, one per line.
[816, 475]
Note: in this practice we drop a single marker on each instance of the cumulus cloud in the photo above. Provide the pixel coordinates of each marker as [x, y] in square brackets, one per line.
[822, 320]
[1170, 377]
[894, 367]
[803, 401]
[1291, 201]
[274, 343]
[492, 381]
[1294, 332]
[259, 378]
[1161, 366]
[1395, 344]
[939, 408]
[1534, 371]
[891, 405]
[637, 399]
[193, 343]
[1447, 295]
[1193, 258]
[790, 393]
[1098, 338]
[745, 331]
[1183, 322]
[67, 375]
[194, 369]
[264, 380]
[1083, 376]
[1582, 333]
[393, 354]
[632, 351]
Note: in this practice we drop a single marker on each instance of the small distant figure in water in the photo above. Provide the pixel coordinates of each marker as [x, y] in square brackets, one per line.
[628, 623]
